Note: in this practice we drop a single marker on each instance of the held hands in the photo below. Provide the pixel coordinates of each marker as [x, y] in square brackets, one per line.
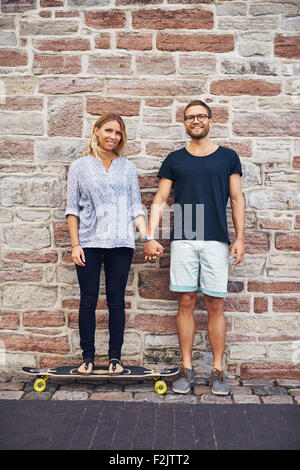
[78, 255]
[152, 249]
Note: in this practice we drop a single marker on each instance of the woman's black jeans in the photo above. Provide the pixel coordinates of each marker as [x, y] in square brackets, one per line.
[117, 263]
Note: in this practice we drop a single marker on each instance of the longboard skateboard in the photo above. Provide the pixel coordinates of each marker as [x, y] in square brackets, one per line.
[101, 372]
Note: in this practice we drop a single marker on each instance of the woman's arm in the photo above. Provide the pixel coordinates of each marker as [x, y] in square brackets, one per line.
[140, 225]
[77, 251]
[72, 214]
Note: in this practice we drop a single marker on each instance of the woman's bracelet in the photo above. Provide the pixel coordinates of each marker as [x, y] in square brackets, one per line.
[76, 245]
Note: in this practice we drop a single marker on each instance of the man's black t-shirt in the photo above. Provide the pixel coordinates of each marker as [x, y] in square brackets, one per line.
[201, 191]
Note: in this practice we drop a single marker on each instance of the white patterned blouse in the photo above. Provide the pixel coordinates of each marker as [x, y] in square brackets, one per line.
[105, 202]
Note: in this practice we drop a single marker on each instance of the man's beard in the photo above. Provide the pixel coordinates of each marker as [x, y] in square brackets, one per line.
[200, 136]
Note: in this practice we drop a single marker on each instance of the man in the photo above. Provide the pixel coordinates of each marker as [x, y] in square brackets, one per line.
[204, 175]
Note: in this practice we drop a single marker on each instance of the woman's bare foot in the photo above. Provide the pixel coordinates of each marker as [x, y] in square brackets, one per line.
[86, 367]
[115, 366]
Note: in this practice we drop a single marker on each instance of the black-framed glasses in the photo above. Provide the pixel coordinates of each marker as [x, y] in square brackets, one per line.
[199, 117]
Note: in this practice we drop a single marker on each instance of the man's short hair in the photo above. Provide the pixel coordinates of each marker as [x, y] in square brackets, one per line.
[198, 103]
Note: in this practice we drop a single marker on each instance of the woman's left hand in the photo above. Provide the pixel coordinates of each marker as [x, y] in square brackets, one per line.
[78, 256]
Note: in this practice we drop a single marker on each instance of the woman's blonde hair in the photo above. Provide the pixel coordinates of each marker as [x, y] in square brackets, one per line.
[93, 142]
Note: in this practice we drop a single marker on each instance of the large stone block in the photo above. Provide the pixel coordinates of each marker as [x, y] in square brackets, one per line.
[288, 352]
[155, 285]
[47, 28]
[242, 23]
[232, 87]
[17, 6]
[172, 19]
[65, 117]
[59, 85]
[266, 124]
[274, 199]
[197, 65]
[273, 370]
[247, 352]
[24, 85]
[110, 64]
[105, 19]
[251, 175]
[29, 296]
[27, 237]
[155, 87]
[257, 67]
[36, 343]
[66, 275]
[44, 64]
[11, 58]
[287, 46]
[88, 3]
[60, 150]
[160, 132]
[164, 342]
[21, 123]
[272, 151]
[216, 43]
[266, 324]
[36, 191]
[284, 265]
[250, 264]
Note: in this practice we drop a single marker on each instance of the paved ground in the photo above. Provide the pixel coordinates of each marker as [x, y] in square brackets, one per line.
[129, 415]
[88, 424]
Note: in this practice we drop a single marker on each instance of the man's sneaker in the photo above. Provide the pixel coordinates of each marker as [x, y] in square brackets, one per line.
[183, 383]
[218, 382]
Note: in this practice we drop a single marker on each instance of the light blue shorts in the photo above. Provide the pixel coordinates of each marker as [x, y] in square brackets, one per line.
[209, 256]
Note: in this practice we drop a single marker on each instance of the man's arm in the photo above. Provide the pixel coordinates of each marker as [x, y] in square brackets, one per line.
[152, 248]
[238, 217]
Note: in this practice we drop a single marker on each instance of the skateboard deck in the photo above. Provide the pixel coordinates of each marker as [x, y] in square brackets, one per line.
[101, 372]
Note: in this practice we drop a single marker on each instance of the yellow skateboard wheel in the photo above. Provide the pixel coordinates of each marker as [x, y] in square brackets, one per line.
[160, 387]
[39, 385]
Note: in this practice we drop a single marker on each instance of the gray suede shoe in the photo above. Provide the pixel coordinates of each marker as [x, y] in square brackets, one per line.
[183, 383]
[218, 382]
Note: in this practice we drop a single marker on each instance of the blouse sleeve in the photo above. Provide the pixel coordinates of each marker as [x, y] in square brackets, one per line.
[73, 193]
[136, 202]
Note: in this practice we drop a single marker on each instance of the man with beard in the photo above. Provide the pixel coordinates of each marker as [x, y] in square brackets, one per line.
[203, 175]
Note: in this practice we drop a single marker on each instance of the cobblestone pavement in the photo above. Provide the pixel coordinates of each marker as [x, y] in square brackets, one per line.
[129, 415]
[251, 391]
[111, 426]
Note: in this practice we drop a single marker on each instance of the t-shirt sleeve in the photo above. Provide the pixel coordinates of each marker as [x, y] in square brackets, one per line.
[235, 166]
[166, 170]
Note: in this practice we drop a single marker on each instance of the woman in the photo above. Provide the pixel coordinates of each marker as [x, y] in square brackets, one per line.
[103, 200]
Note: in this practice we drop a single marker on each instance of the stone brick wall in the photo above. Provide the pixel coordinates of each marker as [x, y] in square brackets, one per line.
[62, 62]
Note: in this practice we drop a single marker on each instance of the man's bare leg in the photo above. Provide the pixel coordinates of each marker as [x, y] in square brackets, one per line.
[186, 326]
[216, 328]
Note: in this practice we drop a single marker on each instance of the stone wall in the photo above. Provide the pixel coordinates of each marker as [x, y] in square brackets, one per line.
[62, 62]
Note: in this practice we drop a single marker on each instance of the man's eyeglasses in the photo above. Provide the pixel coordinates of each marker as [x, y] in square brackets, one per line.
[199, 117]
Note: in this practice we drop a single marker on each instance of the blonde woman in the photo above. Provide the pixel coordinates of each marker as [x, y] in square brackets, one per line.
[103, 200]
